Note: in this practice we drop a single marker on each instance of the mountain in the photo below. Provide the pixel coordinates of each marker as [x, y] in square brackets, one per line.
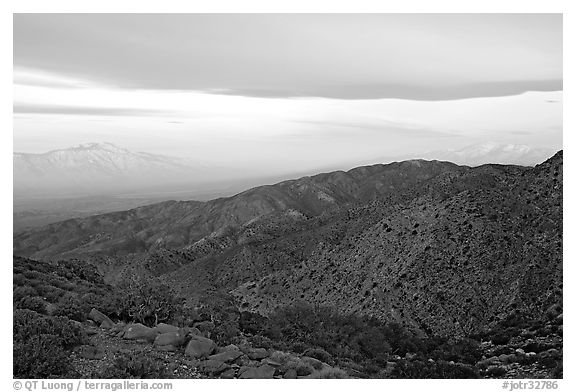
[441, 248]
[97, 168]
[491, 152]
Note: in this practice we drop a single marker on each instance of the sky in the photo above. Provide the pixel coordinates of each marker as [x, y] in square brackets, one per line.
[287, 91]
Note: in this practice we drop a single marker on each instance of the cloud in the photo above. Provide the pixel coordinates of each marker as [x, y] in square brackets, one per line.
[85, 111]
[346, 56]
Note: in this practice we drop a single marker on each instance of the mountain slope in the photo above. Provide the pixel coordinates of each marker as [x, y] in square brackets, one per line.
[181, 224]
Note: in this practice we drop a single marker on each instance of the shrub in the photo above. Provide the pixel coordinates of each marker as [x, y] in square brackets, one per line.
[40, 356]
[146, 301]
[135, 365]
[23, 291]
[41, 344]
[36, 304]
[70, 306]
[438, 369]
[329, 373]
[28, 323]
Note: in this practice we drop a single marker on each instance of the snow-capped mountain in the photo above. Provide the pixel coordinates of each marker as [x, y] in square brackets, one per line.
[102, 167]
[491, 152]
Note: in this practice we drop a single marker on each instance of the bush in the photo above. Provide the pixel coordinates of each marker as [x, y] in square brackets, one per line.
[146, 301]
[36, 304]
[41, 344]
[28, 323]
[70, 306]
[135, 365]
[438, 369]
[40, 356]
[23, 291]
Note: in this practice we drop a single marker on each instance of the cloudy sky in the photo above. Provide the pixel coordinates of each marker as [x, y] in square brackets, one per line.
[279, 90]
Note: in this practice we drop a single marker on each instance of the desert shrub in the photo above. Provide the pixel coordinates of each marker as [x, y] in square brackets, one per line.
[438, 369]
[41, 344]
[147, 301]
[500, 338]
[40, 356]
[329, 373]
[135, 365]
[462, 350]
[23, 291]
[495, 371]
[36, 304]
[261, 341]
[28, 323]
[70, 306]
[558, 371]
[252, 323]
[361, 338]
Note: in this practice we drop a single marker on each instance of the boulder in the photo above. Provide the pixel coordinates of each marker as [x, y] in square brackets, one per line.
[107, 324]
[316, 364]
[227, 356]
[200, 347]
[193, 331]
[99, 317]
[167, 348]
[165, 328]
[257, 353]
[268, 361]
[138, 331]
[175, 339]
[291, 373]
[213, 367]
[261, 372]
[230, 347]
[228, 374]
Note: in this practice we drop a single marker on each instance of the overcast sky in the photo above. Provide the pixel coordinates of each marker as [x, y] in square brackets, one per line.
[292, 89]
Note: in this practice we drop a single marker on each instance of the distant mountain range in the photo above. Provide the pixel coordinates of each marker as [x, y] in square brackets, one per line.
[101, 168]
[104, 168]
[490, 152]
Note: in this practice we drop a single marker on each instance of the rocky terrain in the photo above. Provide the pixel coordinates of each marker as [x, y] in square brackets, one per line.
[444, 251]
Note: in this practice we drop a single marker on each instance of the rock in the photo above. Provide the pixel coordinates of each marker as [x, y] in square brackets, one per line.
[193, 331]
[230, 347]
[167, 348]
[175, 339]
[519, 351]
[165, 328]
[291, 373]
[200, 347]
[261, 372]
[213, 367]
[316, 364]
[99, 317]
[227, 356]
[268, 361]
[228, 374]
[258, 353]
[90, 352]
[107, 324]
[138, 331]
